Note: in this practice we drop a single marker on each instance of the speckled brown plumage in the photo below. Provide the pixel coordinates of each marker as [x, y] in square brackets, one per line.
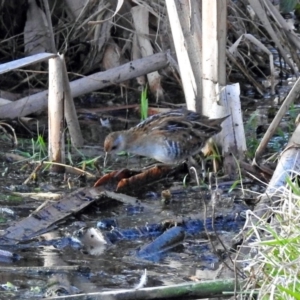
[169, 137]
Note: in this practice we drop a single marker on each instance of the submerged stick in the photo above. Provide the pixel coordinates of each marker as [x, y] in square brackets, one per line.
[194, 290]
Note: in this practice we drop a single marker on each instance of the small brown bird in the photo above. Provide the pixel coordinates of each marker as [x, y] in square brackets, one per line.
[169, 137]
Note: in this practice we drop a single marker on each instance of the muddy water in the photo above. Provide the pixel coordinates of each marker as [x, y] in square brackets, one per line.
[117, 265]
[41, 270]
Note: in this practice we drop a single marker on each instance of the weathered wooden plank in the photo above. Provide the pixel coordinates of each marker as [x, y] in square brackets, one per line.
[38, 222]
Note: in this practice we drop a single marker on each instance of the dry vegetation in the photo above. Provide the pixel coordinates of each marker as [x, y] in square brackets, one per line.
[261, 51]
[90, 46]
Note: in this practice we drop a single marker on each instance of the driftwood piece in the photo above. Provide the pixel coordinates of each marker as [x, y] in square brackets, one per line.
[39, 101]
[42, 220]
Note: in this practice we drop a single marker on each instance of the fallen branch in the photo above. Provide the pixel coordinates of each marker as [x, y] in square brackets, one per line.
[39, 101]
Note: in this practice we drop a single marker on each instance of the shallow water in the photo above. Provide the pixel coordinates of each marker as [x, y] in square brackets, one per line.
[118, 265]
